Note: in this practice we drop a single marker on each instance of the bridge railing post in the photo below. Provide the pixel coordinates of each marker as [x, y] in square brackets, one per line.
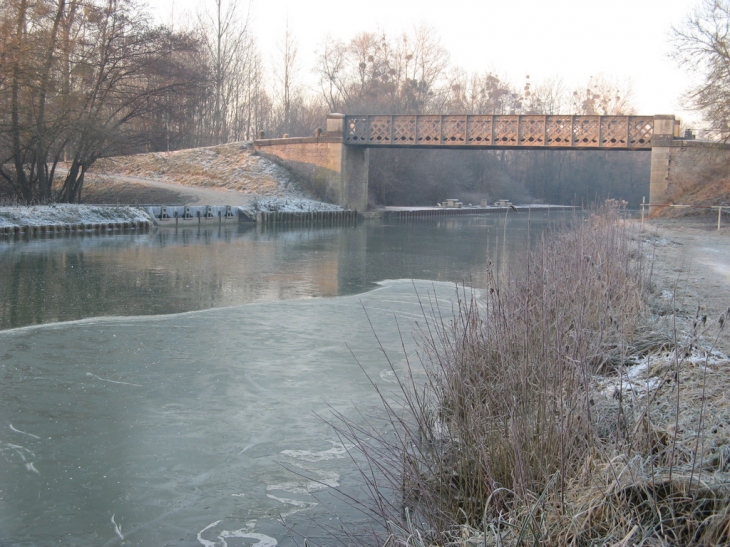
[336, 123]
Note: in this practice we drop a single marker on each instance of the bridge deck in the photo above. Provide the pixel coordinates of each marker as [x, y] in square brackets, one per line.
[501, 131]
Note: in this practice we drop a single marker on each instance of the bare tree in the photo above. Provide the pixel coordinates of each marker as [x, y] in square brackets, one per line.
[547, 97]
[253, 104]
[702, 46]
[425, 61]
[331, 72]
[288, 92]
[604, 96]
[229, 46]
[80, 73]
[492, 95]
[374, 74]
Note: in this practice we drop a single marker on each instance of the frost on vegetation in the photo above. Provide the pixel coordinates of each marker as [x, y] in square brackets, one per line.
[289, 205]
[667, 295]
[659, 241]
[49, 215]
[234, 166]
[643, 375]
[696, 356]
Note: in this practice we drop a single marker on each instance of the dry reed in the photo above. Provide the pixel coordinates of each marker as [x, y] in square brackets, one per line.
[528, 427]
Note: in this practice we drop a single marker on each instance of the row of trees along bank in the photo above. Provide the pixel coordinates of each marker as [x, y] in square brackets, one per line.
[84, 79]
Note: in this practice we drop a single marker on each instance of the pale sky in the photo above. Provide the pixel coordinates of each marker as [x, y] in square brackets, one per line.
[572, 39]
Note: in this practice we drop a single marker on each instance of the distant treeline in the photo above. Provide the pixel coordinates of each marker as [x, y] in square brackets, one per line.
[84, 79]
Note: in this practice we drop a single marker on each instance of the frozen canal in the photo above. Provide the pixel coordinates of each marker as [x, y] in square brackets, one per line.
[164, 389]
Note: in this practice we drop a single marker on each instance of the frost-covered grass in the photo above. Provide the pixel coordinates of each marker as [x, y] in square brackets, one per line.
[49, 215]
[233, 166]
[289, 205]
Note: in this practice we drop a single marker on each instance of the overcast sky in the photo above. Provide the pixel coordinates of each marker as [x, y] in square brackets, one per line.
[572, 39]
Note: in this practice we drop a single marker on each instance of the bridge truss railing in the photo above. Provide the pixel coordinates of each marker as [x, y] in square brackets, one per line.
[486, 131]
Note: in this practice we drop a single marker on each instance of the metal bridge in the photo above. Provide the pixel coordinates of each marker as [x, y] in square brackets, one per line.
[336, 161]
[501, 131]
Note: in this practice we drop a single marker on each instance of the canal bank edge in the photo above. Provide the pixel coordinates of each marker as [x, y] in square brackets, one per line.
[66, 218]
[71, 218]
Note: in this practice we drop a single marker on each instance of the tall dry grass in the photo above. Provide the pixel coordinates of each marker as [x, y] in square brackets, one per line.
[506, 440]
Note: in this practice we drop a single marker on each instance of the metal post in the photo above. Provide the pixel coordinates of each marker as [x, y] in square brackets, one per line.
[572, 131]
[628, 131]
[643, 202]
[600, 130]
[719, 216]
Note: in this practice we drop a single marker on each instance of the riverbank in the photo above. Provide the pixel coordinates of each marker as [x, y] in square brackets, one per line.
[68, 217]
[583, 403]
[63, 217]
[227, 174]
[691, 270]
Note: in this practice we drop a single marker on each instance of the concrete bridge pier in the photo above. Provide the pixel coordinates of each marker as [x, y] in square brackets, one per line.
[334, 172]
[661, 156]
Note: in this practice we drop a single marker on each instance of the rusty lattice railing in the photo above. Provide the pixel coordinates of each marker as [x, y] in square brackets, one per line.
[614, 132]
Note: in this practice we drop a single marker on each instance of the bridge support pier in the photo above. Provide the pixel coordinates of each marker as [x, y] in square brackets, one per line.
[353, 178]
[661, 155]
[333, 171]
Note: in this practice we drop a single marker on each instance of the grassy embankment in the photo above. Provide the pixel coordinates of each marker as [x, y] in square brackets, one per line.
[556, 412]
[701, 193]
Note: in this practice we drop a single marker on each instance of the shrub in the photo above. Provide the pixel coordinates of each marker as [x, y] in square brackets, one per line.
[502, 435]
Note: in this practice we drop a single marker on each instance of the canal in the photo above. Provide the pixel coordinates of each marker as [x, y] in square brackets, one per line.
[174, 388]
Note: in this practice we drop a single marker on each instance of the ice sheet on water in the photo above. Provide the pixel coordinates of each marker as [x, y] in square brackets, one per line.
[253, 377]
[261, 540]
[337, 451]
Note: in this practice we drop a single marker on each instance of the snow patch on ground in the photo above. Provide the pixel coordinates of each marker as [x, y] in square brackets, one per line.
[52, 215]
[644, 374]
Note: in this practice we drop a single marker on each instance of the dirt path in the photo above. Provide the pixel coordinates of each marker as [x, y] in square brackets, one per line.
[189, 195]
[692, 263]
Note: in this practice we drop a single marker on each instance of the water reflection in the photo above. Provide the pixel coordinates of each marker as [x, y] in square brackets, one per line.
[65, 278]
[184, 429]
